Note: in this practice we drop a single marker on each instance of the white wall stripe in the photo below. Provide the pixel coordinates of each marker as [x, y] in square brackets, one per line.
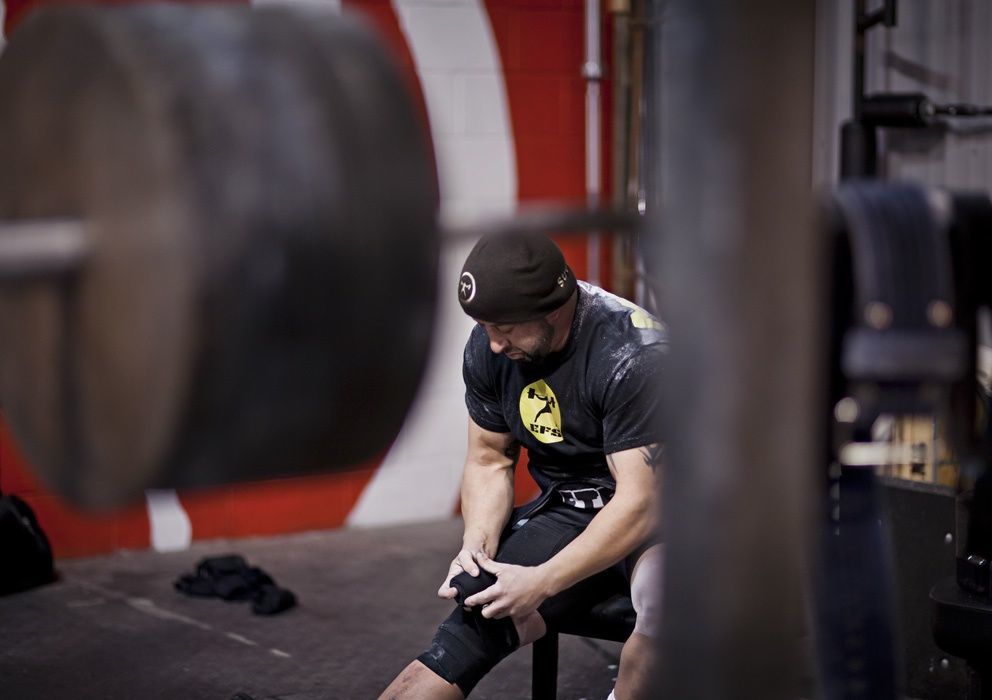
[170, 526]
[458, 64]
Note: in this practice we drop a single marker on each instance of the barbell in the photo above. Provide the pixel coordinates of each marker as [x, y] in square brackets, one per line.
[221, 250]
[219, 245]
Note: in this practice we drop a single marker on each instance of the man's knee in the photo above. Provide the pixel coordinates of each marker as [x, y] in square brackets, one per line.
[646, 591]
[467, 646]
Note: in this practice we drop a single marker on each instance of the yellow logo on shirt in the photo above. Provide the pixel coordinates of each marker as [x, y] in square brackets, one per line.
[540, 413]
[639, 318]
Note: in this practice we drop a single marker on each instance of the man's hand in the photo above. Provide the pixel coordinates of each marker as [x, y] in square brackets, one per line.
[465, 561]
[518, 591]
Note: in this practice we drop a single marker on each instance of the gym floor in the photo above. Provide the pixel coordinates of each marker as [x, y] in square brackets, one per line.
[113, 626]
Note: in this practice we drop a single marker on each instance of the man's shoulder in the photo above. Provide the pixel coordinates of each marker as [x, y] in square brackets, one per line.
[476, 336]
[613, 320]
[477, 346]
[624, 343]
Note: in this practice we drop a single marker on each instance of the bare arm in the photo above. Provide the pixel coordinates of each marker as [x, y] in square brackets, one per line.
[487, 487]
[487, 497]
[620, 527]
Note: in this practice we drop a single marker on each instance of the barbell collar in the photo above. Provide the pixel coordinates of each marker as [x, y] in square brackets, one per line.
[40, 249]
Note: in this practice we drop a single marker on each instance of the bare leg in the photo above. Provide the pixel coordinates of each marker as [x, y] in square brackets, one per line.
[530, 628]
[636, 662]
[638, 655]
[417, 682]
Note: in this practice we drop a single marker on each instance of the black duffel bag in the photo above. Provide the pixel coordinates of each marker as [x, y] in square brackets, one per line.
[25, 554]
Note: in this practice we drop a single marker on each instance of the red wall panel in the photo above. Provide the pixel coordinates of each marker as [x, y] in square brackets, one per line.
[71, 532]
[541, 45]
[542, 51]
[275, 507]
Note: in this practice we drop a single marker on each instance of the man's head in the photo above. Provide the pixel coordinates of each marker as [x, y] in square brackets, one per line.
[519, 288]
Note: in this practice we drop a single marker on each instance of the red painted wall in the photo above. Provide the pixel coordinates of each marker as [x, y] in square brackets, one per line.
[71, 532]
[541, 47]
[261, 508]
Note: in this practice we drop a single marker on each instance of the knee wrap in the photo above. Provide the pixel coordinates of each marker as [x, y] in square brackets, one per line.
[467, 646]
[646, 593]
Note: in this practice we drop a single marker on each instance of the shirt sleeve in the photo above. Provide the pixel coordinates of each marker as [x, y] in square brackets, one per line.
[481, 395]
[632, 402]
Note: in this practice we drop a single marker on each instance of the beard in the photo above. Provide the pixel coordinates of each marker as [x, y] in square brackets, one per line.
[542, 345]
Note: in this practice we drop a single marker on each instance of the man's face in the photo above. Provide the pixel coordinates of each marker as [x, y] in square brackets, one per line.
[521, 342]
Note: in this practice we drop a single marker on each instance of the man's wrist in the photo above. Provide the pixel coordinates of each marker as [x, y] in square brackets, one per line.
[551, 578]
[476, 543]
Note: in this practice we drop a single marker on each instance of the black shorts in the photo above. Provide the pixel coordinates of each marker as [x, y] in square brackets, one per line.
[545, 534]
[466, 645]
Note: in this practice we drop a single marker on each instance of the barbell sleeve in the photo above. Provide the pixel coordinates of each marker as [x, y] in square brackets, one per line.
[33, 249]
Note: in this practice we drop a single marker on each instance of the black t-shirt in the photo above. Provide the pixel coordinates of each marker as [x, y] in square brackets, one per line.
[597, 396]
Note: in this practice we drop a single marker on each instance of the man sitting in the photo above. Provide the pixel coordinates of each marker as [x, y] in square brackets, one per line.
[572, 373]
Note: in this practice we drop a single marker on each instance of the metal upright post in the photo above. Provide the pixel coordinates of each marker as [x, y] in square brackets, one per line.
[740, 285]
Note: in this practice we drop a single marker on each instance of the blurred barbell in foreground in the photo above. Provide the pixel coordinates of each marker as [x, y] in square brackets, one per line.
[219, 252]
[219, 245]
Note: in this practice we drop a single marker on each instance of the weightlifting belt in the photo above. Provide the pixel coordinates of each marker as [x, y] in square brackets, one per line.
[585, 497]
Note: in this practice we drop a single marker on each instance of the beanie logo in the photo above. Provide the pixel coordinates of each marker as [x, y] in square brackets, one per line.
[540, 413]
[562, 278]
[466, 287]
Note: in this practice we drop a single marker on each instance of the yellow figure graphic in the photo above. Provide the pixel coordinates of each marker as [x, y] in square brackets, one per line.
[540, 413]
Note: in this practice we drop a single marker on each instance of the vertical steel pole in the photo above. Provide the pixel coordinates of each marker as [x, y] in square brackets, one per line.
[858, 141]
[592, 71]
[741, 275]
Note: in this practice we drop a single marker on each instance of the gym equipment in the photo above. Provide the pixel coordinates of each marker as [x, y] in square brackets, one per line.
[218, 245]
[894, 349]
[960, 605]
[741, 273]
[859, 134]
[219, 249]
[907, 290]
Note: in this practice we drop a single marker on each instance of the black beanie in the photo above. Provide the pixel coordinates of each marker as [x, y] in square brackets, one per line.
[513, 278]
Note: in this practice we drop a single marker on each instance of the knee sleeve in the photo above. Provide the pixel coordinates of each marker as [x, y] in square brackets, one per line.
[467, 646]
[467, 585]
[646, 593]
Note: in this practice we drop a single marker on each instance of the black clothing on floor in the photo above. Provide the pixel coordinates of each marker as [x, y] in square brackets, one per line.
[230, 578]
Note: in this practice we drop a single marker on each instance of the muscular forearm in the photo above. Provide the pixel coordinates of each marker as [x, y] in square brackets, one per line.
[619, 528]
[487, 499]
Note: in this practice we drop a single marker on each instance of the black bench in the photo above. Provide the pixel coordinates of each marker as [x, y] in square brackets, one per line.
[612, 620]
